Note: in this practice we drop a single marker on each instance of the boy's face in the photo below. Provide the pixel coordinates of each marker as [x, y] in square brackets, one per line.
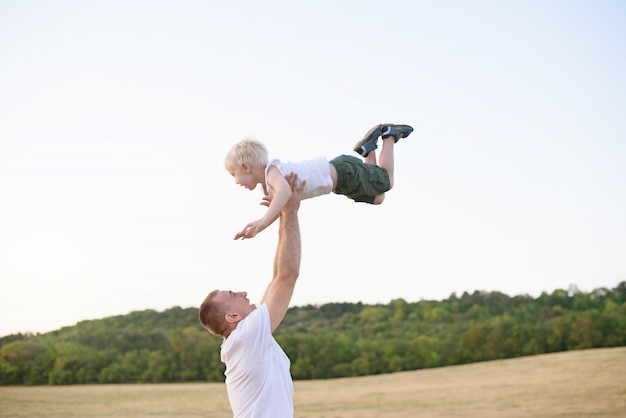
[243, 176]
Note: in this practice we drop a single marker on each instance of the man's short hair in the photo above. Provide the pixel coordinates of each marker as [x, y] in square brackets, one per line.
[211, 314]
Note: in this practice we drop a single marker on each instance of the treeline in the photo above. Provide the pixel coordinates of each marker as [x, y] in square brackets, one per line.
[327, 341]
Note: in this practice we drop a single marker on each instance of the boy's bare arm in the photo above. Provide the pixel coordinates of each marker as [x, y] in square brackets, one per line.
[287, 260]
[282, 193]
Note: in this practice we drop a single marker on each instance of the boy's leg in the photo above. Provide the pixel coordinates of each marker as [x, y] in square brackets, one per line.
[371, 158]
[391, 134]
[386, 160]
[389, 137]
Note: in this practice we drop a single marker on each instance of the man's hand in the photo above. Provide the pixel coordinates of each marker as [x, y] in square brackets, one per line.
[293, 204]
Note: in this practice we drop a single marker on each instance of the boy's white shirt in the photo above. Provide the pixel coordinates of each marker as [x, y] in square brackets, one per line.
[315, 171]
[258, 380]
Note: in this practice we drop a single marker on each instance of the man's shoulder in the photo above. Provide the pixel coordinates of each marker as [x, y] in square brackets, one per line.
[249, 330]
[254, 319]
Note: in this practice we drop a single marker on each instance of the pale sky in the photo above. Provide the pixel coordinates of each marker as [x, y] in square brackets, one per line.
[115, 117]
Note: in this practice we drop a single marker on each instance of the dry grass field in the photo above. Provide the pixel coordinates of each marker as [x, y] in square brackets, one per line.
[588, 383]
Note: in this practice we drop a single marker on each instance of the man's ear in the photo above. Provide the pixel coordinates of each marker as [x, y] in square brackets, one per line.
[232, 317]
[246, 167]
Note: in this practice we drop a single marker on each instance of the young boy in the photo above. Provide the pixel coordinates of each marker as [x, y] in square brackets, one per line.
[360, 180]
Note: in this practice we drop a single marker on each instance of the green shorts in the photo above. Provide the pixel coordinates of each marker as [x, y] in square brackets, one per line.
[359, 181]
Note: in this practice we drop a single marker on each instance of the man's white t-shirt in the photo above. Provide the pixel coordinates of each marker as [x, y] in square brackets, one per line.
[257, 374]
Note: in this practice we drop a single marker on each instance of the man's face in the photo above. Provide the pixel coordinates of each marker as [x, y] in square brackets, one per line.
[237, 302]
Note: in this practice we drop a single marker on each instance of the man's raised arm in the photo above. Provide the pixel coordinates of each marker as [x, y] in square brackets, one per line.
[287, 259]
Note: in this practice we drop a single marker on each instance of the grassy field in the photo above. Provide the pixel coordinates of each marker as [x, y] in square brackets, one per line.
[588, 383]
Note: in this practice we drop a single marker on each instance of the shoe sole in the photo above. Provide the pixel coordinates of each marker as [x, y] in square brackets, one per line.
[368, 137]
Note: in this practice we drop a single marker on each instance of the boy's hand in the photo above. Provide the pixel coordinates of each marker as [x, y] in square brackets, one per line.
[251, 230]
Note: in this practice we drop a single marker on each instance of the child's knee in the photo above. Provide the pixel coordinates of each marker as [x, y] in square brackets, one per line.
[379, 199]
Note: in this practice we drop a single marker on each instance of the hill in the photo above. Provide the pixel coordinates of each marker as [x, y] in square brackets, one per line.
[328, 341]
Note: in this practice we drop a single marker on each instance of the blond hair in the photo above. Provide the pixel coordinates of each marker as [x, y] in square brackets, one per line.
[248, 151]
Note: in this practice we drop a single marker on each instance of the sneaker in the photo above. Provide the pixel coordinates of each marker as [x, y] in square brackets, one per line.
[368, 143]
[397, 131]
[366, 148]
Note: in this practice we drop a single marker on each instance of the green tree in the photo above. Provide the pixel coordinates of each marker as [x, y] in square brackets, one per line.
[23, 362]
[74, 363]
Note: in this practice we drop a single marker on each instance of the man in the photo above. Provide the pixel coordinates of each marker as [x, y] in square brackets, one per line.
[258, 380]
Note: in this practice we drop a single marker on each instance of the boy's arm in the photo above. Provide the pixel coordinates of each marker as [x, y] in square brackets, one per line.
[282, 193]
[287, 260]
